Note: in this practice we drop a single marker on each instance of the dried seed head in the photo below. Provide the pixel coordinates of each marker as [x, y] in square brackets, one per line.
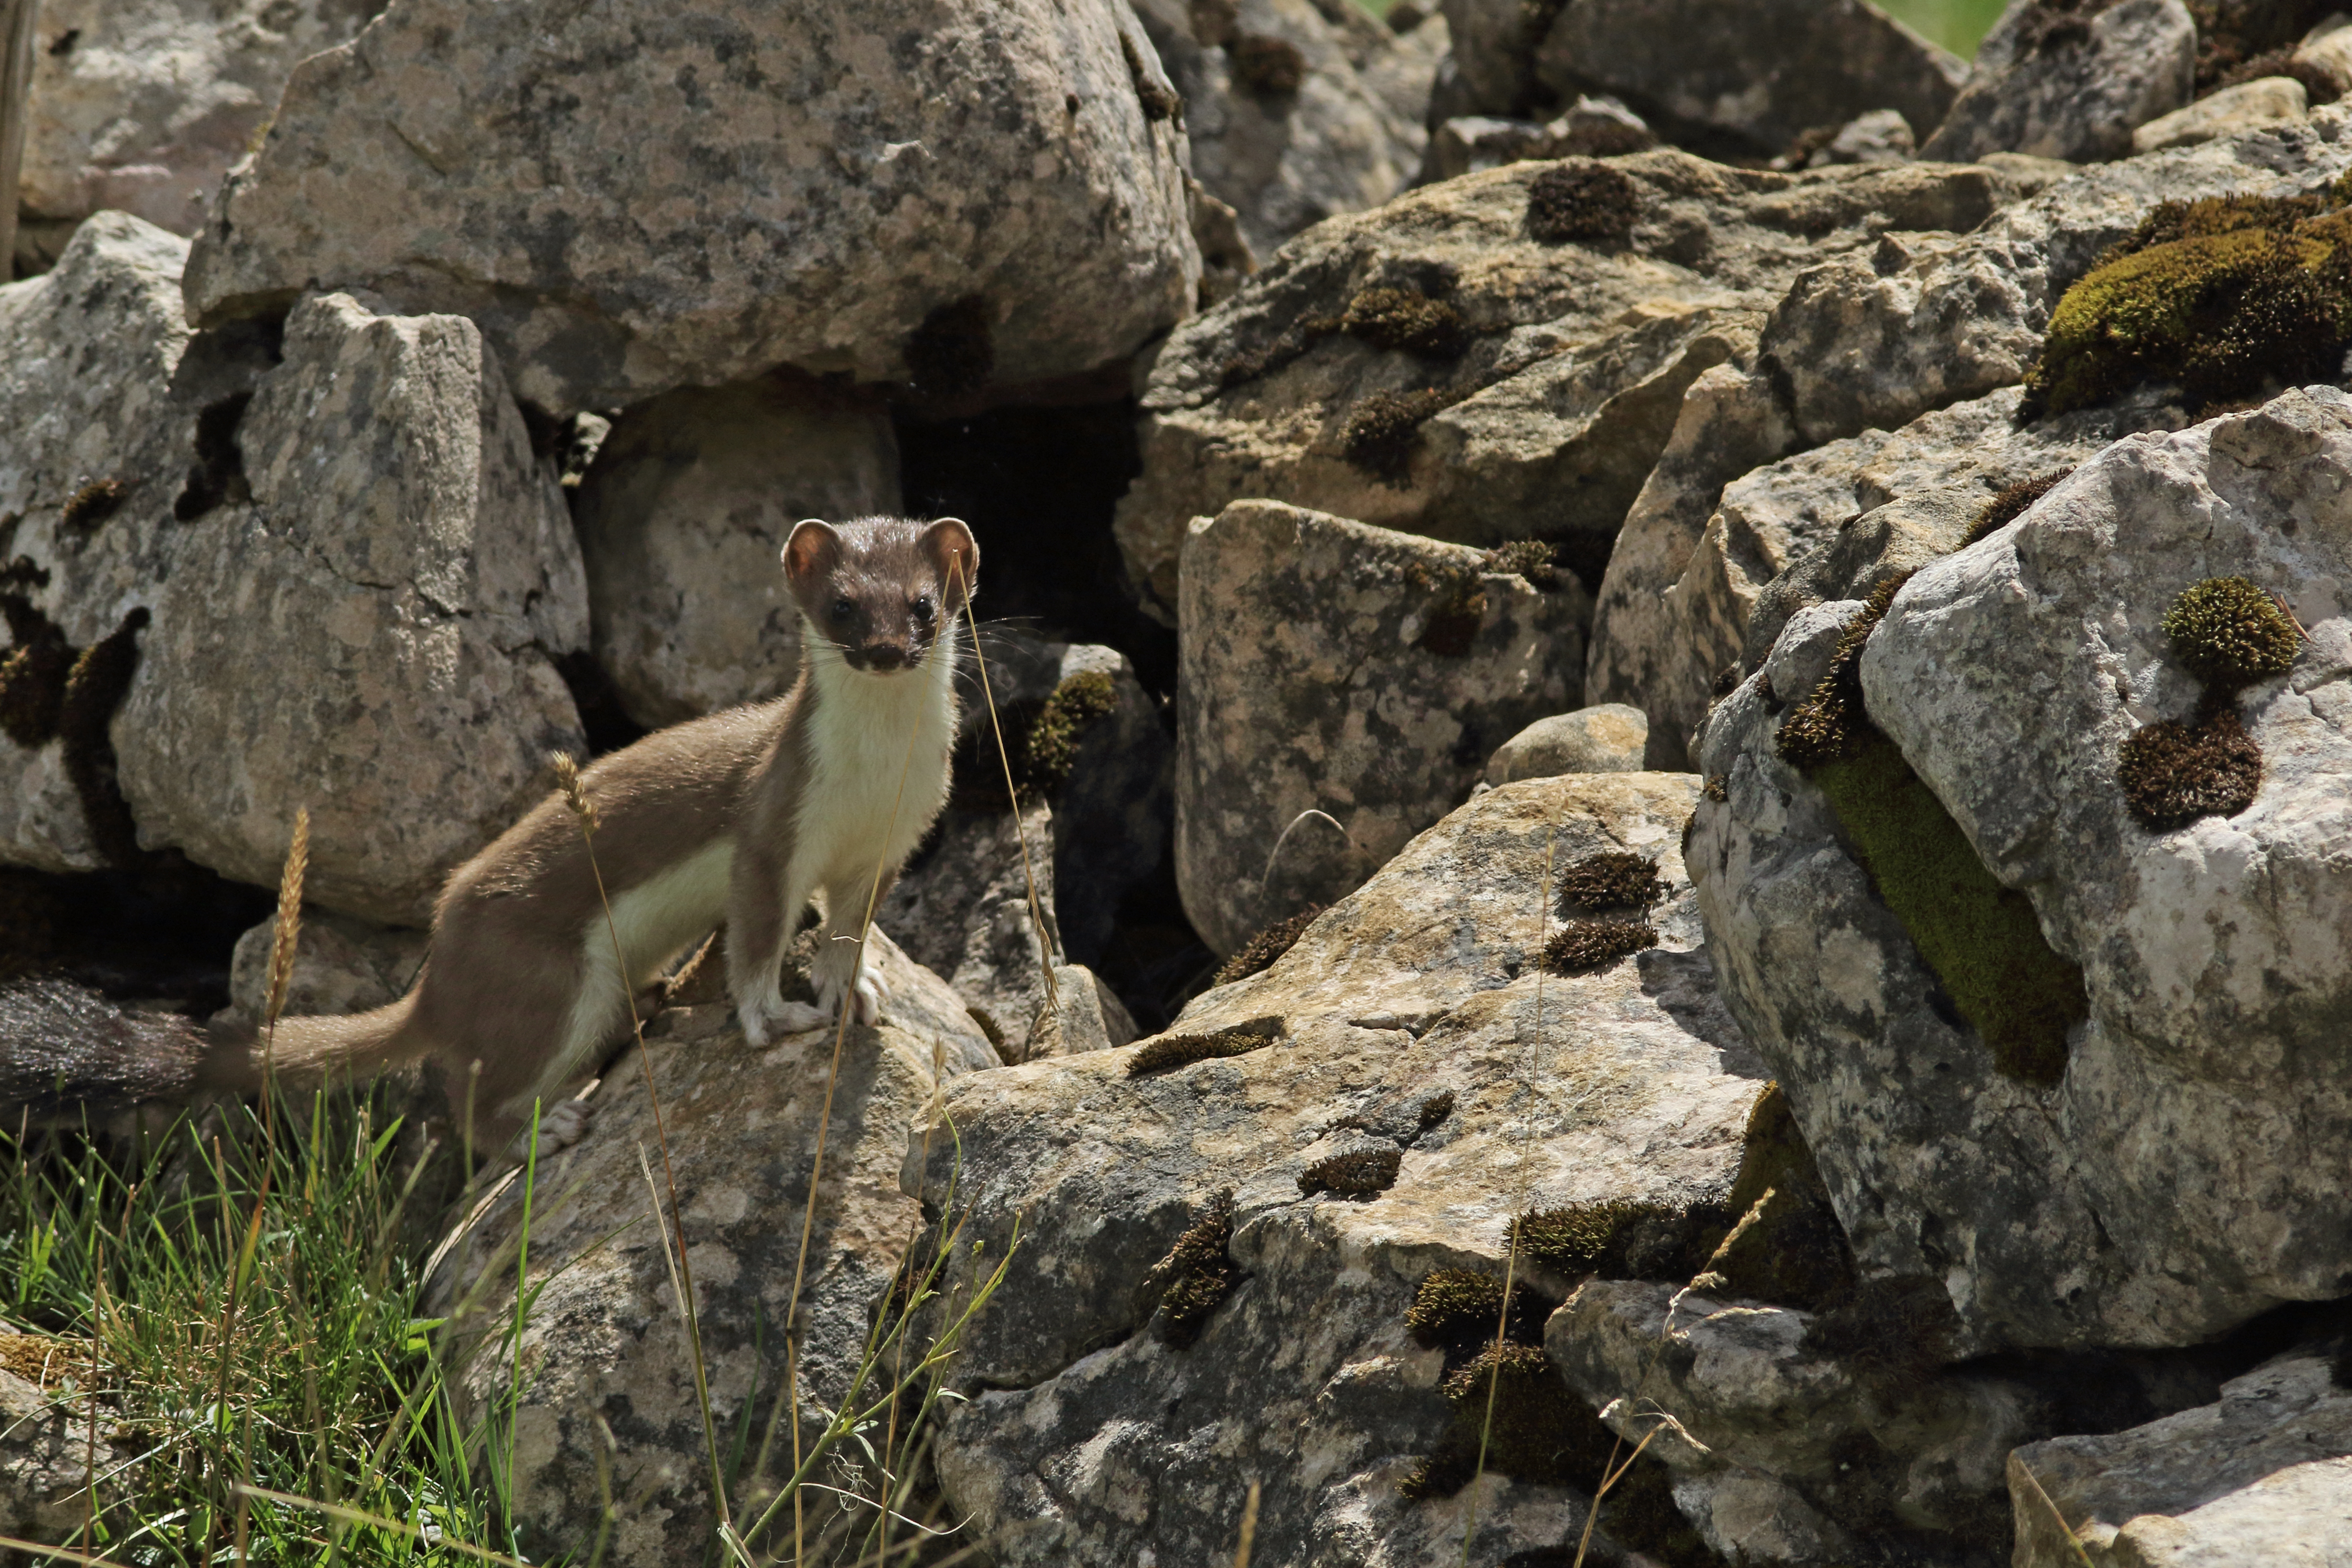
[289, 916]
[576, 793]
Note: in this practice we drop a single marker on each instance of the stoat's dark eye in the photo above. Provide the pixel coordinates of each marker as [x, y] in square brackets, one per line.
[923, 609]
[843, 609]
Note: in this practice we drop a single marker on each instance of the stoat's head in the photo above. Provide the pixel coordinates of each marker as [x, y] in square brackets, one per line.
[880, 591]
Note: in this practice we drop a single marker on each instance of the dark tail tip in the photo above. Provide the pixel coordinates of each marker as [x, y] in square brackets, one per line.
[63, 1046]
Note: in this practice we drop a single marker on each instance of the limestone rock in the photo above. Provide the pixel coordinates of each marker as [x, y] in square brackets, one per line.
[608, 1384]
[1407, 1017]
[1876, 338]
[2071, 87]
[141, 106]
[1503, 386]
[682, 518]
[45, 1459]
[2326, 53]
[370, 634]
[1350, 672]
[1591, 128]
[340, 966]
[1284, 118]
[2111, 1207]
[1604, 739]
[657, 195]
[963, 909]
[2267, 100]
[1754, 77]
[2263, 1475]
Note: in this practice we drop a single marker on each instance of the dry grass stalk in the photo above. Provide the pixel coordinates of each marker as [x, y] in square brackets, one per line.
[288, 928]
[1249, 1528]
[2073, 1541]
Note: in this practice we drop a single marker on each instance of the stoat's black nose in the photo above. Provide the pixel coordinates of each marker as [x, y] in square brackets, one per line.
[886, 656]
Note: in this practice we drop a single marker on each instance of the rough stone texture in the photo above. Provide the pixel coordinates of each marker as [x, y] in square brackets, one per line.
[1492, 59]
[1781, 1452]
[1605, 739]
[1577, 358]
[1087, 1016]
[2116, 1208]
[2268, 100]
[141, 106]
[682, 518]
[1752, 77]
[340, 966]
[1091, 1442]
[1319, 675]
[45, 1460]
[1877, 338]
[1593, 127]
[962, 910]
[371, 636]
[654, 194]
[1882, 136]
[2264, 1475]
[2327, 51]
[605, 1342]
[1287, 160]
[2075, 93]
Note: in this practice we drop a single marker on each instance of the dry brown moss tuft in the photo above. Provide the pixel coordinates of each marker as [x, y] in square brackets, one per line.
[1358, 1173]
[2227, 632]
[1579, 1237]
[1831, 722]
[1260, 953]
[1158, 102]
[1270, 66]
[1171, 1050]
[2172, 774]
[1614, 878]
[1192, 1282]
[1580, 946]
[1460, 1309]
[92, 504]
[1582, 199]
[1408, 319]
[1534, 559]
[2010, 504]
[1380, 433]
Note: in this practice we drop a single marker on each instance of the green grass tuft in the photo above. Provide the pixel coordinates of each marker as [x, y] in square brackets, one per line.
[2230, 632]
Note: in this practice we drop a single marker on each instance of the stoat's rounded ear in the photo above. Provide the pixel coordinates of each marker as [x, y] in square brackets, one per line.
[812, 550]
[949, 544]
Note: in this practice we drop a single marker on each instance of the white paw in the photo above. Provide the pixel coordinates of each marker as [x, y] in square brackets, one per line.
[560, 1125]
[768, 1018]
[868, 995]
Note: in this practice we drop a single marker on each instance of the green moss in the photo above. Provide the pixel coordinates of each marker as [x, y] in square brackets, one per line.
[1582, 199]
[1269, 66]
[1981, 939]
[1172, 1051]
[1796, 1254]
[1462, 1309]
[2230, 632]
[1578, 1238]
[1580, 946]
[1831, 722]
[1192, 1282]
[954, 350]
[1614, 878]
[1381, 433]
[2222, 315]
[1260, 953]
[1358, 1173]
[1534, 559]
[2011, 503]
[1408, 319]
[1052, 748]
[2172, 774]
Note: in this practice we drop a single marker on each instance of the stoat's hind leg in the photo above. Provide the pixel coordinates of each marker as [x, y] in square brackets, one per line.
[560, 1125]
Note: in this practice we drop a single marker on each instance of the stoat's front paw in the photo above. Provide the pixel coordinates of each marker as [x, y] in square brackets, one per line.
[867, 995]
[560, 1125]
[768, 1018]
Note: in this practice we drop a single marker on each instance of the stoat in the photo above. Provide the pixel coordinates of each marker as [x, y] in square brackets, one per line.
[738, 818]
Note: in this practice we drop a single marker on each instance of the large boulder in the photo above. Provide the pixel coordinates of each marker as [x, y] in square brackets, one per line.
[1412, 1036]
[1877, 337]
[1295, 112]
[606, 1406]
[652, 196]
[2092, 1182]
[2071, 82]
[1750, 77]
[682, 517]
[372, 633]
[1342, 687]
[2262, 1475]
[1457, 365]
[141, 106]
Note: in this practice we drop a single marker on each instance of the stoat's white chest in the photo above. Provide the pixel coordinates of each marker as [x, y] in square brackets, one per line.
[878, 750]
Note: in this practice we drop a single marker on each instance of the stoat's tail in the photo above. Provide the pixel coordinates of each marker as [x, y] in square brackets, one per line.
[63, 1046]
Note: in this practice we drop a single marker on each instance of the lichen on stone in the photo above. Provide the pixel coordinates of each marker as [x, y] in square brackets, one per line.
[1582, 199]
[1259, 953]
[1196, 1276]
[1612, 879]
[1379, 434]
[2010, 502]
[2230, 633]
[1356, 1173]
[1172, 1051]
[1580, 946]
[1408, 319]
[2172, 774]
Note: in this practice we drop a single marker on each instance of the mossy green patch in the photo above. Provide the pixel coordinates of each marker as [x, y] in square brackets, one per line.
[1462, 1309]
[1260, 952]
[1578, 1238]
[2227, 632]
[1053, 740]
[2222, 315]
[1831, 722]
[1192, 1282]
[1981, 939]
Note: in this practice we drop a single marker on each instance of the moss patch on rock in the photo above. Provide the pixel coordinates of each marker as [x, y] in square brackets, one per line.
[2172, 774]
[2244, 299]
[1614, 878]
[1581, 946]
[1052, 747]
[1382, 430]
[1408, 319]
[1582, 199]
[1829, 721]
[1462, 1309]
[2230, 633]
[1192, 1282]
[1457, 606]
[1172, 1051]
[1269, 66]
[1355, 1172]
[1260, 952]
[2010, 502]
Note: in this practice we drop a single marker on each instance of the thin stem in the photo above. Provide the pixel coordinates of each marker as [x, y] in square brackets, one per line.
[1004, 760]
